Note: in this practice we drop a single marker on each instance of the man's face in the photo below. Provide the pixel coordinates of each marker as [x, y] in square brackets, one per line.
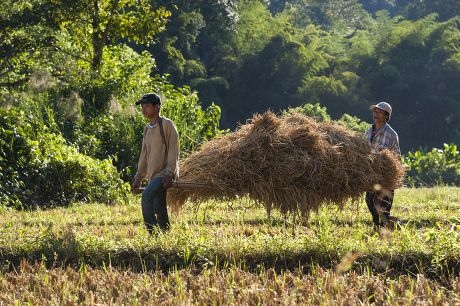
[379, 115]
[149, 110]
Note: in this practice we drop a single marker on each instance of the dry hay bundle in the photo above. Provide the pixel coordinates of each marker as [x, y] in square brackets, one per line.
[293, 164]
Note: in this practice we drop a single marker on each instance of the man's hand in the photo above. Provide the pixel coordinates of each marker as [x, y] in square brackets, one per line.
[167, 181]
[135, 188]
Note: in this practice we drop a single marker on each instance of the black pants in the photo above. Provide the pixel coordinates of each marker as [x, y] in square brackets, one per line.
[379, 204]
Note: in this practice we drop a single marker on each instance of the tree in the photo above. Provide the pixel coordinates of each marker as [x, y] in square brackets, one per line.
[193, 48]
[271, 78]
[80, 29]
[414, 10]
[95, 24]
[254, 29]
[340, 16]
[176, 48]
[25, 29]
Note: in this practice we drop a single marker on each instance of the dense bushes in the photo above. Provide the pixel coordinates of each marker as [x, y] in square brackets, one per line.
[438, 166]
[81, 93]
[38, 167]
[320, 113]
[53, 151]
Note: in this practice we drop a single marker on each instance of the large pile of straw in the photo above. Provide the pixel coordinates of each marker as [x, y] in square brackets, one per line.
[293, 164]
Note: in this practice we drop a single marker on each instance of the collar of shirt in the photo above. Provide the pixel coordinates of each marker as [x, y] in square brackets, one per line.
[383, 128]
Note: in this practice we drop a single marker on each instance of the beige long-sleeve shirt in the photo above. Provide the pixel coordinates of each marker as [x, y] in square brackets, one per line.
[152, 159]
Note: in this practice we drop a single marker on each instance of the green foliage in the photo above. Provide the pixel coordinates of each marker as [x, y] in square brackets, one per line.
[93, 25]
[419, 9]
[438, 166]
[195, 124]
[38, 167]
[23, 39]
[315, 111]
[319, 113]
[211, 87]
[123, 74]
[271, 78]
[354, 123]
[319, 88]
[118, 134]
[41, 31]
[343, 17]
[198, 33]
[256, 26]
[112, 135]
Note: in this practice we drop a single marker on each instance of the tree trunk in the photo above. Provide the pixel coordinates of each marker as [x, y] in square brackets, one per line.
[98, 46]
[97, 39]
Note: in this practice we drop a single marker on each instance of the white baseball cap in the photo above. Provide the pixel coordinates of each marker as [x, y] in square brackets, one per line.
[383, 106]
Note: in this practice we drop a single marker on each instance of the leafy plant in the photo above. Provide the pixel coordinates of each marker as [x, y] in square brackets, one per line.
[319, 113]
[39, 168]
[354, 123]
[438, 166]
[315, 111]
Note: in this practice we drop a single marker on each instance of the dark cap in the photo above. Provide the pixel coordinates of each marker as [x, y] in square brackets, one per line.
[150, 98]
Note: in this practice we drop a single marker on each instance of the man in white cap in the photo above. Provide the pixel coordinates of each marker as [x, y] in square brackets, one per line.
[381, 136]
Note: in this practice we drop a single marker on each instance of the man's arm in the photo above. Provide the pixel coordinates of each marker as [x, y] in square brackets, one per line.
[141, 169]
[395, 145]
[367, 134]
[173, 155]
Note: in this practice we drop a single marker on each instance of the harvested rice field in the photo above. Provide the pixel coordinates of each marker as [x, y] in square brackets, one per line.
[232, 252]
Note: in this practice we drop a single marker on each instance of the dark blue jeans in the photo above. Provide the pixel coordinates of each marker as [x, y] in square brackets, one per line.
[154, 208]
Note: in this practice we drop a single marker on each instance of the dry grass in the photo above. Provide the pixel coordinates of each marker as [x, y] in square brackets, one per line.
[35, 284]
[292, 164]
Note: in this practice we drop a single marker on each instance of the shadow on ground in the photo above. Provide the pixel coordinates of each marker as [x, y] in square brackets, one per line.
[66, 251]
